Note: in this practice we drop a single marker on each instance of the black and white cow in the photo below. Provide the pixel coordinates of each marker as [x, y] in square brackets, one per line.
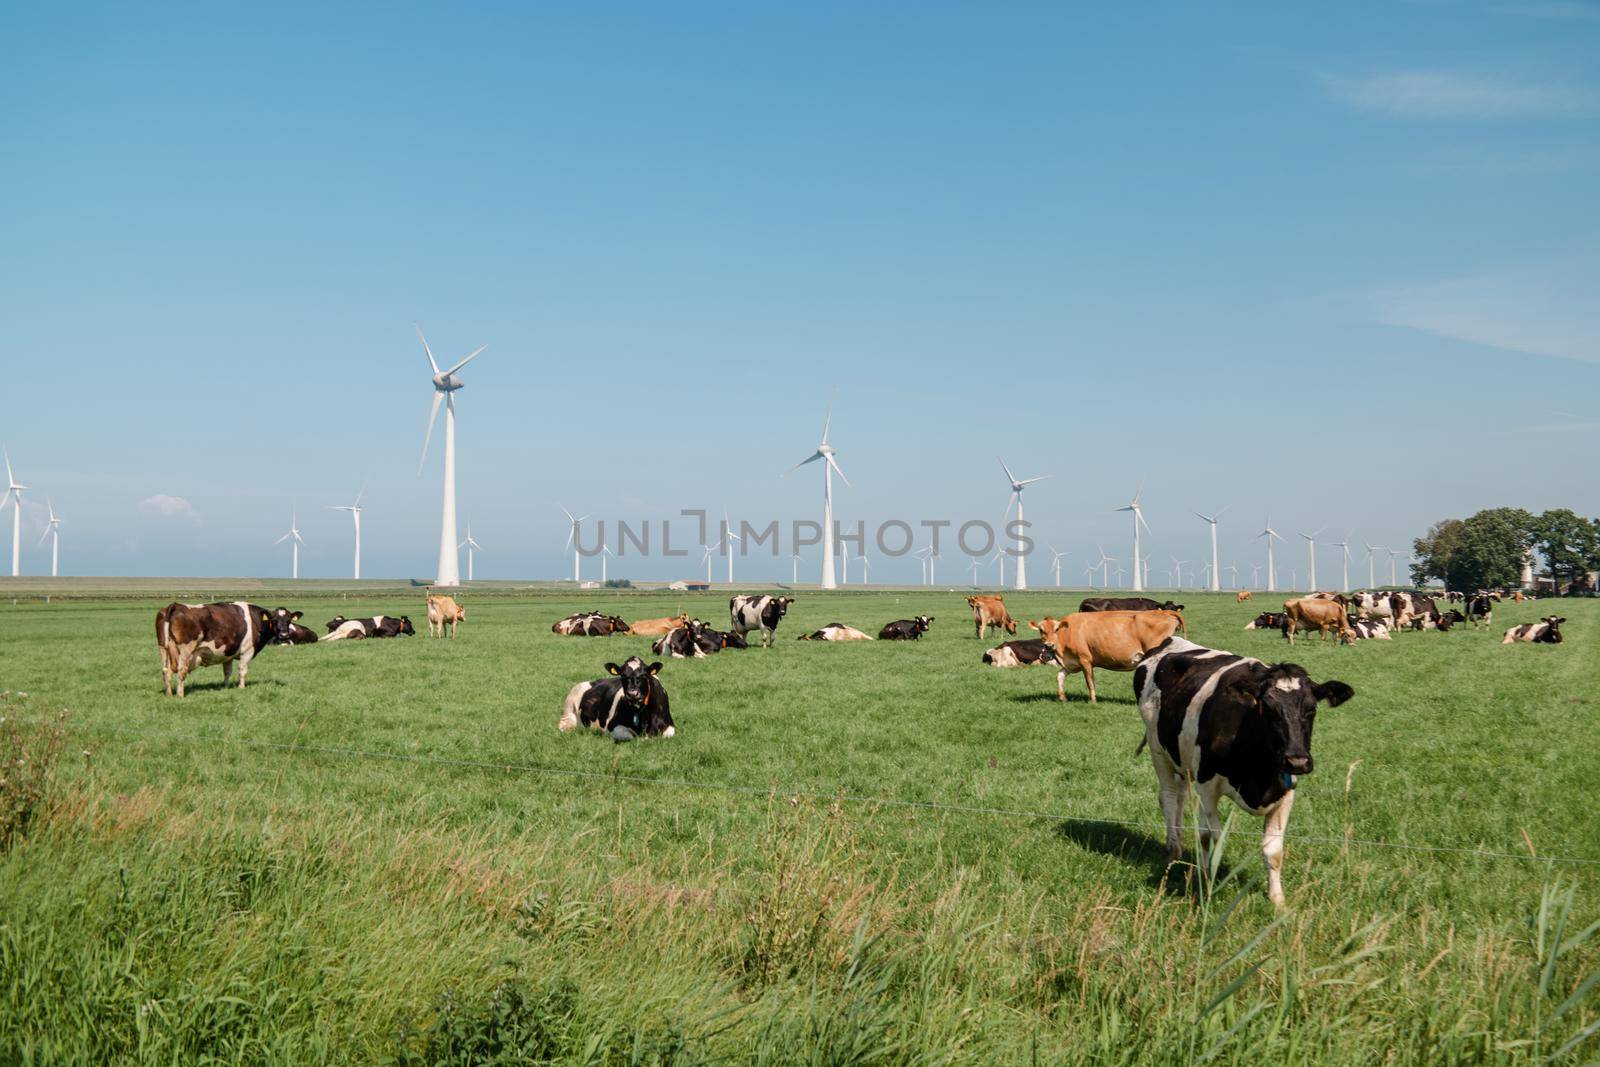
[1373, 605]
[681, 642]
[1408, 607]
[1367, 630]
[1267, 620]
[1020, 654]
[342, 629]
[1234, 727]
[905, 629]
[711, 640]
[836, 631]
[202, 635]
[758, 613]
[1127, 603]
[590, 624]
[1480, 610]
[1547, 631]
[629, 702]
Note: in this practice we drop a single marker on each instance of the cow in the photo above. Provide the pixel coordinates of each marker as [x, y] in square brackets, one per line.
[342, 629]
[657, 627]
[1241, 596]
[1129, 603]
[682, 642]
[300, 635]
[836, 631]
[589, 624]
[1231, 726]
[1023, 653]
[905, 629]
[711, 640]
[1480, 609]
[1517, 597]
[1267, 620]
[1320, 615]
[1366, 629]
[1408, 607]
[203, 635]
[990, 611]
[758, 613]
[1337, 597]
[630, 701]
[1114, 640]
[1373, 604]
[1547, 631]
[1454, 597]
[1434, 620]
[444, 611]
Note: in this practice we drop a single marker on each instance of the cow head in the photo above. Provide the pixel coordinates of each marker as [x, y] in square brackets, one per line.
[780, 605]
[406, 627]
[1170, 606]
[618, 626]
[1261, 622]
[922, 623]
[1286, 699]
[336, 622]
[279, 625]
[1553, 634]
[635, 675]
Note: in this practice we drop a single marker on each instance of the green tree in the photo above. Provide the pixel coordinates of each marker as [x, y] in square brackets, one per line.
[1432, 553]
[1487, 550]
[1569, 543]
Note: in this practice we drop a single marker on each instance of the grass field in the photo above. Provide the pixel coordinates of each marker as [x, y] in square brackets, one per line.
[861, 853]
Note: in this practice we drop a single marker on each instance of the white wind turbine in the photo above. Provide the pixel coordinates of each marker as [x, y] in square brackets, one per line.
[445, 384]
[14, 497]
[53, 529]
[1055, 562]
[1178, 565]
[1000, 557]
[1393, 553]
[293, 536]
[355, 513]
[725, 544]
[866, 569]
[469, 544]
[572, 540]
[1271, 535]
[1138, 520]
[1104, 563]
[1088, 572]
[1016, 499]
[976, 563]
[1233, 576]
[1255, 576]
[794, 568]
[707, 558]
[1216, 571]
[830, 467]
[1311, 557]
[1371, 551]
[605, 551]
[933, 565]
[1344, 550]
[1120, 572]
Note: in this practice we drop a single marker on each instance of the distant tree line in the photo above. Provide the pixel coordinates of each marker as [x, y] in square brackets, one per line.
[1487, 550]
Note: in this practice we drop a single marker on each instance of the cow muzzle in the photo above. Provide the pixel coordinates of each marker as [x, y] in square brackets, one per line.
[1297, 764]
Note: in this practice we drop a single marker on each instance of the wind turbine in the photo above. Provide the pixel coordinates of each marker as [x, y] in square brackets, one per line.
[572, 540]
[706, 559]
[445, 384]
[293, 536]
[1371, 551]
[1233, 576]
[55, 546]
[1311, 553]
[976, 563]
[1138, 520]
[1216, 572]
[794, 568]
[1393, 553]
[1088, 572]
[1344, 550]
[1270, 534]
[1178, 564]
[1120, 572]
[605, 550]
[1000, 555]
[469, 544]
[1205, 576]
[14, 496]
[1255, 575]
[1016, 498]
[355, 513]
[933, 565]
[826, 452]
[1104, 563]
[1055, 562]
[726, 545]
[866, 568]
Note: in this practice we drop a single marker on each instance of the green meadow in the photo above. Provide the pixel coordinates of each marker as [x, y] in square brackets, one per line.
[383, 851]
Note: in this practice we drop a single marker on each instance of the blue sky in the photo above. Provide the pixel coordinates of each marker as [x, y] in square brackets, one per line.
[1336, 264]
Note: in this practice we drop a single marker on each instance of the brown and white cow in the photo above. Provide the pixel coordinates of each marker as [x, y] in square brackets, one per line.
[203, 635]
[990, 611]
[1114, 640]
[657, 627]
[1023, 653]
[1324, 616]
[444, 611]
[1547, 631]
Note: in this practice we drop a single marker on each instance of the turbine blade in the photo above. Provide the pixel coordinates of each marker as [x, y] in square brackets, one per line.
[1030, 481]
[433, 416]
[827, 421]
[428, 350]
[809, 459]
[10, 478]
[42, 536]
[469, 359]
[361, 494]
[282, 539]
[835, 465]
[1012, 478]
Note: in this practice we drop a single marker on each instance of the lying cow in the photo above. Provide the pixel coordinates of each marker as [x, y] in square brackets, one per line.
[657, 627]
[1127, 603]
[836, 631]
[343, 629]
[1229, 726]
[631, 701]
[589, 624]
[1267, 620]
[444, 611]
[758, 613]
[695, 640]
[1434, 620]
[990, 611]
[1114, 640]
[203, 635]
[301, 635]
[1547, 631]
[1367, 629]
[905, 629]
[1023, 653]
[1324, 616]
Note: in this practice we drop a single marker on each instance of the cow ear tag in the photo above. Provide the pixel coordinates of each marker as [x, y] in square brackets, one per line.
[1287, 780]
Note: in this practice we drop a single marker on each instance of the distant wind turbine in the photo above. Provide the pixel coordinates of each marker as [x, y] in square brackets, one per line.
[1017, 485]
[14, 498]
[1393, 554]
[605, 551]
[572, 540]
[794, 568]
[1178, 564]
[728, 537]
[1138, 520]
[1216, 572]
[1104, 563]
[355, 514]
[1372, 550]
[1344, 550]
[1088, 572]
[470, 545]
[53, 529]
[445, 384]
[1055, 562]
[1271, 535]
[866, 569]
[1311, 556]
[826, 453]
[976, 563]
[1000, 557]
[1233, 576]
[293, 536]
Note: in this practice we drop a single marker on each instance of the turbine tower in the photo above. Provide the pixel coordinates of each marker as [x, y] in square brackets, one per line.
[293, 536]
[1216, 572]
[1138, 520]
[445, 384]
[355, 513]
[1311, 557]
[1016, 499]
[1104, 563]
[572, 539]
[794, 568]
[826, 452]
[1271, 535]
[976, 563]
[1371, 551]
[14, 498]
[1055, 562]
[469, 544]
[728, 537]
[1393, 553]
[1344, 550]
[53, 529]
[1178, 566]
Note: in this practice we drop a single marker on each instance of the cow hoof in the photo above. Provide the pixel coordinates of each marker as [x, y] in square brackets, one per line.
[620, 734]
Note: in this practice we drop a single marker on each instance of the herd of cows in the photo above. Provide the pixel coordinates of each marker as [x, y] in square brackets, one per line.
[1225, 724]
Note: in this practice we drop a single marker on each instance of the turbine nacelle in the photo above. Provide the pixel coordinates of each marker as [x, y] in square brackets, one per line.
[447, 383]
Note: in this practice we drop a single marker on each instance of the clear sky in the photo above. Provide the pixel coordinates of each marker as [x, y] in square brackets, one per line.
[1334, 262]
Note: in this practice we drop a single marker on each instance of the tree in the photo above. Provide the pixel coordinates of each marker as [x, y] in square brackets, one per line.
[1482, 552]
[1432, 553]
[1569, 543]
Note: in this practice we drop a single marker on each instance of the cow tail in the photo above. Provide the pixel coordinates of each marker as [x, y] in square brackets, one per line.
[1143, 740]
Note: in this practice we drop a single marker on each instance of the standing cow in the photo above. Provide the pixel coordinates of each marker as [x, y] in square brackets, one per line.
[444, 611]
[1113, 640]
[203, 635]
[1324, 616]
[762, 613]
[990, 611]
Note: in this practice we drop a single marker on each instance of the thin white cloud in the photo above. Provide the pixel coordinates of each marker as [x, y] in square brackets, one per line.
[1555, 10]
[1543, 312]
[1441, 95]
[163, 506]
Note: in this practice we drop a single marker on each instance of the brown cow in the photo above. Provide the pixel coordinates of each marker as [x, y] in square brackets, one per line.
[444, 611]
[657, 627]
[1320, 615]
[990, 611]
[1115, 640]
[201, 635]
[1241, 596]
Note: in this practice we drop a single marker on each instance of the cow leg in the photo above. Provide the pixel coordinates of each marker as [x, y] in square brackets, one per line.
[1210, 822]
[227, 672]
[1272, 846]
[1087, 666]
[1061, 685]
[166, 668]
[1173, 795]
